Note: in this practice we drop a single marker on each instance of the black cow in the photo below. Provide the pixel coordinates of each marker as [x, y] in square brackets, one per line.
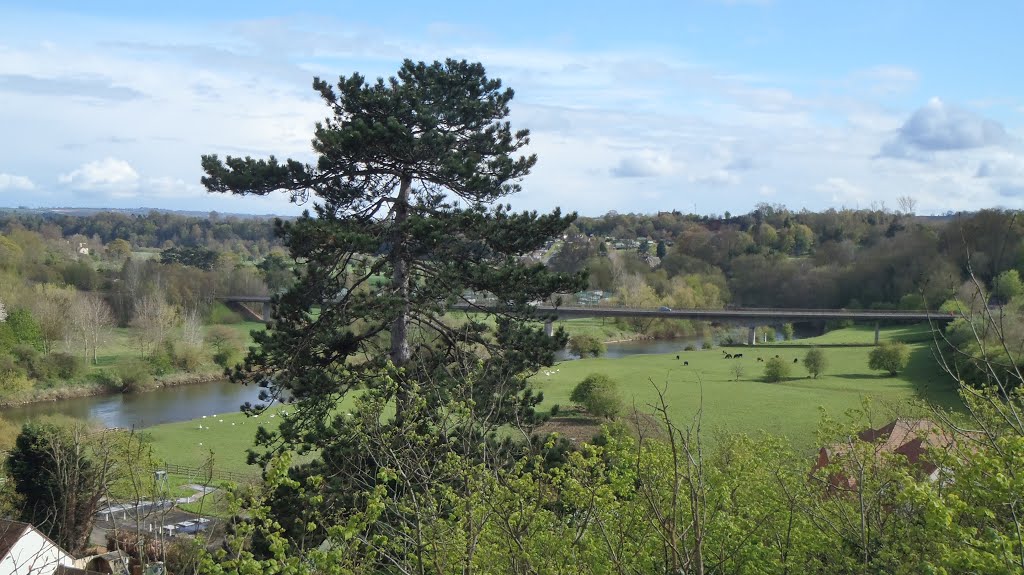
[686, 363]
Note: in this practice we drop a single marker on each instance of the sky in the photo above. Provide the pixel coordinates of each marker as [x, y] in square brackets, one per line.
[703, 106]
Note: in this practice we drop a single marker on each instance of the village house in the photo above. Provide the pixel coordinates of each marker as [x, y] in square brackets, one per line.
[24, 550]
[910, 438]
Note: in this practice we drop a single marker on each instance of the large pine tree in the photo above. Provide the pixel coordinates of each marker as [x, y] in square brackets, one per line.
[407, 216]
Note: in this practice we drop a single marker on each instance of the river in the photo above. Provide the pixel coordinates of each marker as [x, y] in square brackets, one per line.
[185, 402]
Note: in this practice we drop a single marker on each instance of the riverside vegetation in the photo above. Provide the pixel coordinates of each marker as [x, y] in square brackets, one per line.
[415, 445]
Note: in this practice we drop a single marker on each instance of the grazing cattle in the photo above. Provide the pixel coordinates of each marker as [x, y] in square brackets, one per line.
[759, 359]
[738, 355]
[727, 355]
[796, 360]
[686, 363]
[677, 357]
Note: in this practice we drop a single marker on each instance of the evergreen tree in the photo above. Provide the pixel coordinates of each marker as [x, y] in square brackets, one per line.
[408, 185]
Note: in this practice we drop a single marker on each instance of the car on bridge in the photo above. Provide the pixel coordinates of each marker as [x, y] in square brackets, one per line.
[664, 308]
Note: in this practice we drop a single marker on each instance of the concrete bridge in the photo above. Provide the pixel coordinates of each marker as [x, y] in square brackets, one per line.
[751, 317]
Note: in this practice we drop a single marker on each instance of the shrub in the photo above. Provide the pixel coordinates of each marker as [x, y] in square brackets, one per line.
[224, 358]
[584, 345]
[161, 361]
[187, 357]
[689, 347]
[890, 356]
[15, 385]
[707, 345]
[814, 361]
[775, 370]
[599, 394]
[108, 379]
[65, 365]
[28, 360]
[134, 376]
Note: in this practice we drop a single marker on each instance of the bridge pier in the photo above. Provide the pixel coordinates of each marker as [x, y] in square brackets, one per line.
[876, 333]
[266, 312]
[549, 328]
[752, 335]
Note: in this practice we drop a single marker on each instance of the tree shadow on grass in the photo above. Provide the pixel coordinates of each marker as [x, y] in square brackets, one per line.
[862, 376]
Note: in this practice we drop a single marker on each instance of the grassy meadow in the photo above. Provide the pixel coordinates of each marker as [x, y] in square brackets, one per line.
[745, 405]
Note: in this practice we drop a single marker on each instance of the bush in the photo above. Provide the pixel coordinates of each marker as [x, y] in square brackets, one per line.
[775, 370]
[108, 379]
[28, 360]
[689, 347]
[187, 357]
[599, 394]
[707, 345]
[814, 361]
[65, 365]
[584, 345]
[15, 385]
[161, 361]
[224, 358]
[133, 375]
[890, 356]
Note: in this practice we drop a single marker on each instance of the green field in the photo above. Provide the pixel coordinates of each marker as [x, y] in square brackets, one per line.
[791, 408]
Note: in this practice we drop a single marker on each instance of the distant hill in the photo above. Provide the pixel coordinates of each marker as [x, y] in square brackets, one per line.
[72, 211]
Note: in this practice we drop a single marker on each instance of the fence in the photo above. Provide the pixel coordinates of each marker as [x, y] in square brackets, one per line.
[202, 474]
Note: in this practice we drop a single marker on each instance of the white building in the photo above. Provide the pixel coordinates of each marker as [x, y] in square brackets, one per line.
[24, 550]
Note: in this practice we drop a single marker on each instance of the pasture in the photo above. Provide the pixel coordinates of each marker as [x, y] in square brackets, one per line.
[707, 381]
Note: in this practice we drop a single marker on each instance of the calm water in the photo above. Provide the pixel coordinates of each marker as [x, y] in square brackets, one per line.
[144, 409]
[191, 401]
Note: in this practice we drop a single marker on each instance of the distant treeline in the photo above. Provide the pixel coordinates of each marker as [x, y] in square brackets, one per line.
[773, 256]
[152, 230]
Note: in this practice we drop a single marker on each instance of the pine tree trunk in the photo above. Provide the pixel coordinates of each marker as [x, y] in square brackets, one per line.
[400, 286]
[400, 278]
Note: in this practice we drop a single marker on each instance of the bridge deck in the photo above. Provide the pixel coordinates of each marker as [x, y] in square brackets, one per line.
[727, 314]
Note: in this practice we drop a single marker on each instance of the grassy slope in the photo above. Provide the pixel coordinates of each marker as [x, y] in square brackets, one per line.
[790, 408]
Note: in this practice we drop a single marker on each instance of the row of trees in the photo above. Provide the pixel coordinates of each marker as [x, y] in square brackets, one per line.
[151, 230]
[831, 259]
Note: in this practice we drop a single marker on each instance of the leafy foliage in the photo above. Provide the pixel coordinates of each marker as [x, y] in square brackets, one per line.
[586, 345]
[890, 356]
[599, 394]
[815, 361]
[59, 481]
[776, 370]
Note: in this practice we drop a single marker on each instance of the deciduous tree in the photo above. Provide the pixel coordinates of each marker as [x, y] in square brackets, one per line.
[890, 356]
[815, 361]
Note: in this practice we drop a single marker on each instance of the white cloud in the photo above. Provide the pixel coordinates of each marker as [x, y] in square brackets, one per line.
[646, 164]
[12, 182]
[940, 127]
[716, 178]
[842, 192]
[106, 174]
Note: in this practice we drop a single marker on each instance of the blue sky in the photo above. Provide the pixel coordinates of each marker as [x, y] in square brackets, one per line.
[707, 105]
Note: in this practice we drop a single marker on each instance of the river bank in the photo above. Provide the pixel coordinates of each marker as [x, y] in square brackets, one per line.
[68, 392]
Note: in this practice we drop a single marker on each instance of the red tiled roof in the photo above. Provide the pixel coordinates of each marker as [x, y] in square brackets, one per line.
[911, 438]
